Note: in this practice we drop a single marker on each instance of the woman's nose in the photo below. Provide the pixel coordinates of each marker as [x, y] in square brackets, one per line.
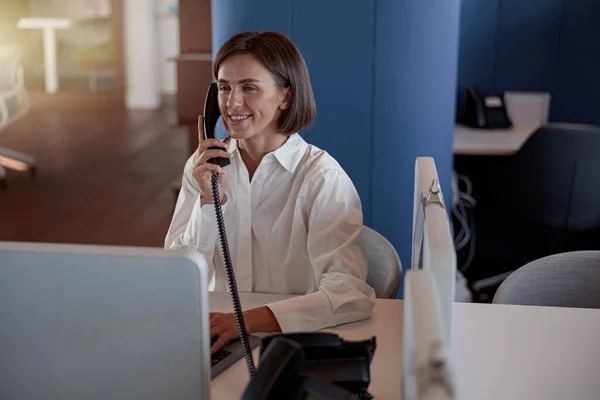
[235, 99]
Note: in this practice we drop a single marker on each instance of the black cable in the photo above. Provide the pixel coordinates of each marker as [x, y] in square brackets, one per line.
[237, 305]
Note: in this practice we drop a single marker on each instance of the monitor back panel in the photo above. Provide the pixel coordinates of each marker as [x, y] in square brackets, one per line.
[433, 245]
[102, 323]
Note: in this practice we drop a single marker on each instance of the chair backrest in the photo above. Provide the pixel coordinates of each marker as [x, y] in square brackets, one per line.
[561, 280]
[14, 101]
[384, 270]
[552, 180]
[9, 62]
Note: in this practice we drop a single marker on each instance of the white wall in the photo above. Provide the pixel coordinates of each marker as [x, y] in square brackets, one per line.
[150, 37]
[168, 31]
[142, 73]
[80, 34]
[69, 8]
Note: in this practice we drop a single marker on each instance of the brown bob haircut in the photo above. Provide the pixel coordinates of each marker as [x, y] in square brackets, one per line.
[283, 59]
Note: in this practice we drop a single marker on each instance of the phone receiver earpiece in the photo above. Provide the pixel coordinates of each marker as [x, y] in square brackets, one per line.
[211, 116]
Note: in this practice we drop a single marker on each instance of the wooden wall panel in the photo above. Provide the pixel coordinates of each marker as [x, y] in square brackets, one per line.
[193, 75]
[195, 26]
[196, 77]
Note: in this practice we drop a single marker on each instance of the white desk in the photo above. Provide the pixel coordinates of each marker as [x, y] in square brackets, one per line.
[482, 142]
[48, 26]
[500, 142]
[499, 352]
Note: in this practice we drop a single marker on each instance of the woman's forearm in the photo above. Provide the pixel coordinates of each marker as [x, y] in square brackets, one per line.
[261, 319]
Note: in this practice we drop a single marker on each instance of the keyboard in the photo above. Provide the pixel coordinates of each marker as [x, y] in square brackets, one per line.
[228, 355]
[218, 356]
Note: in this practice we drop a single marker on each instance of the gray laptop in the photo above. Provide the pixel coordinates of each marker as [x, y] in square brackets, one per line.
[103, 322]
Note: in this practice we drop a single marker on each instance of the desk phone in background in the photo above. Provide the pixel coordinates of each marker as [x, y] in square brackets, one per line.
[485, 111]
[297, 366]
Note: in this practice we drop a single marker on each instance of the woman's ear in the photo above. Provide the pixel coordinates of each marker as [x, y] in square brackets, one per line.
[287, 99]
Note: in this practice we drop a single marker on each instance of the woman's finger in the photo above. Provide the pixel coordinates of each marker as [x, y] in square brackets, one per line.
[200, 170]
[216, 330]
[218, 344]
[207, 143]
[200, 130]
[208, 154]
[216, 322]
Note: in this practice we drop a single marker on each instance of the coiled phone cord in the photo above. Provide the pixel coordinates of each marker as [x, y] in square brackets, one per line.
[237, 306]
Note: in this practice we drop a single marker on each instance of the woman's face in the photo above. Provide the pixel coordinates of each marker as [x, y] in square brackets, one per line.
[249, 98]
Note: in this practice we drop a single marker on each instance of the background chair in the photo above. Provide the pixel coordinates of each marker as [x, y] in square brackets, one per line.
[560, 280]
[13, 96]
[384, 270]
[544, 200]
[552, 180]
[2, 177]
[14, 103]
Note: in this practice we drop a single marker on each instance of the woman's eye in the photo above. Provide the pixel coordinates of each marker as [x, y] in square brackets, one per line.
[249, 89]
[223, 88]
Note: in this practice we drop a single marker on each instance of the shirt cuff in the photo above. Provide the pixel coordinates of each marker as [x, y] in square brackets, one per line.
[202, 230]
[305, 313]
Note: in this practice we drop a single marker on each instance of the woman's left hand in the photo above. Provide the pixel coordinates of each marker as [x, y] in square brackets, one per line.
[224, 325]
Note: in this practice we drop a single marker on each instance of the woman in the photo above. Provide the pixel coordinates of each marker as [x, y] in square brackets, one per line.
[292, 215]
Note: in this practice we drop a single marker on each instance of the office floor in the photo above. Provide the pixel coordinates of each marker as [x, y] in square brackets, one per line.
[103, 177]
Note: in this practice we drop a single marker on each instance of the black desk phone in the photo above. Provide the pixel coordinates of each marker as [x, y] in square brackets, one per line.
[299, 366]
[312, 366]
[485, 111]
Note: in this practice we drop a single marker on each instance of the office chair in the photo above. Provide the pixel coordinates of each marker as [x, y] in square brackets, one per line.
[384, 270]
[14, 103]
[2, 178]
[545, 199]
[552, 180]
[560, 280]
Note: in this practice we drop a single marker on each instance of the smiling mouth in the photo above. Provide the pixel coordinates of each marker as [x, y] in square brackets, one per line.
[238, 121]
[239, 118]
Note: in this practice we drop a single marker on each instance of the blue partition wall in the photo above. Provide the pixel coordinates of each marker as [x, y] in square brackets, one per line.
[535, 45]
[384, 77]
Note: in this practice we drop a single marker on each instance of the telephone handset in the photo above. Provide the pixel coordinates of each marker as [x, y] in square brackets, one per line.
[211, 116]
[319, 366]
[486, 112]
[212, 112]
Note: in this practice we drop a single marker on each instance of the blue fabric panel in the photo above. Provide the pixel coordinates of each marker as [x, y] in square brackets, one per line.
[527, 44]
[578, 95]
[234, 16]
[477, 50]
[338, 51]
[416, 51]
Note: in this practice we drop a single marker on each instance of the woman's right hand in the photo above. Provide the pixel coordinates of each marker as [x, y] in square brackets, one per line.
[203, 170]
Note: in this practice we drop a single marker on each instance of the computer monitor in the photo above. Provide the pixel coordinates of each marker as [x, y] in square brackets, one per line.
[100, 322]
[433, 246]
[427, 371]
[429, 293]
